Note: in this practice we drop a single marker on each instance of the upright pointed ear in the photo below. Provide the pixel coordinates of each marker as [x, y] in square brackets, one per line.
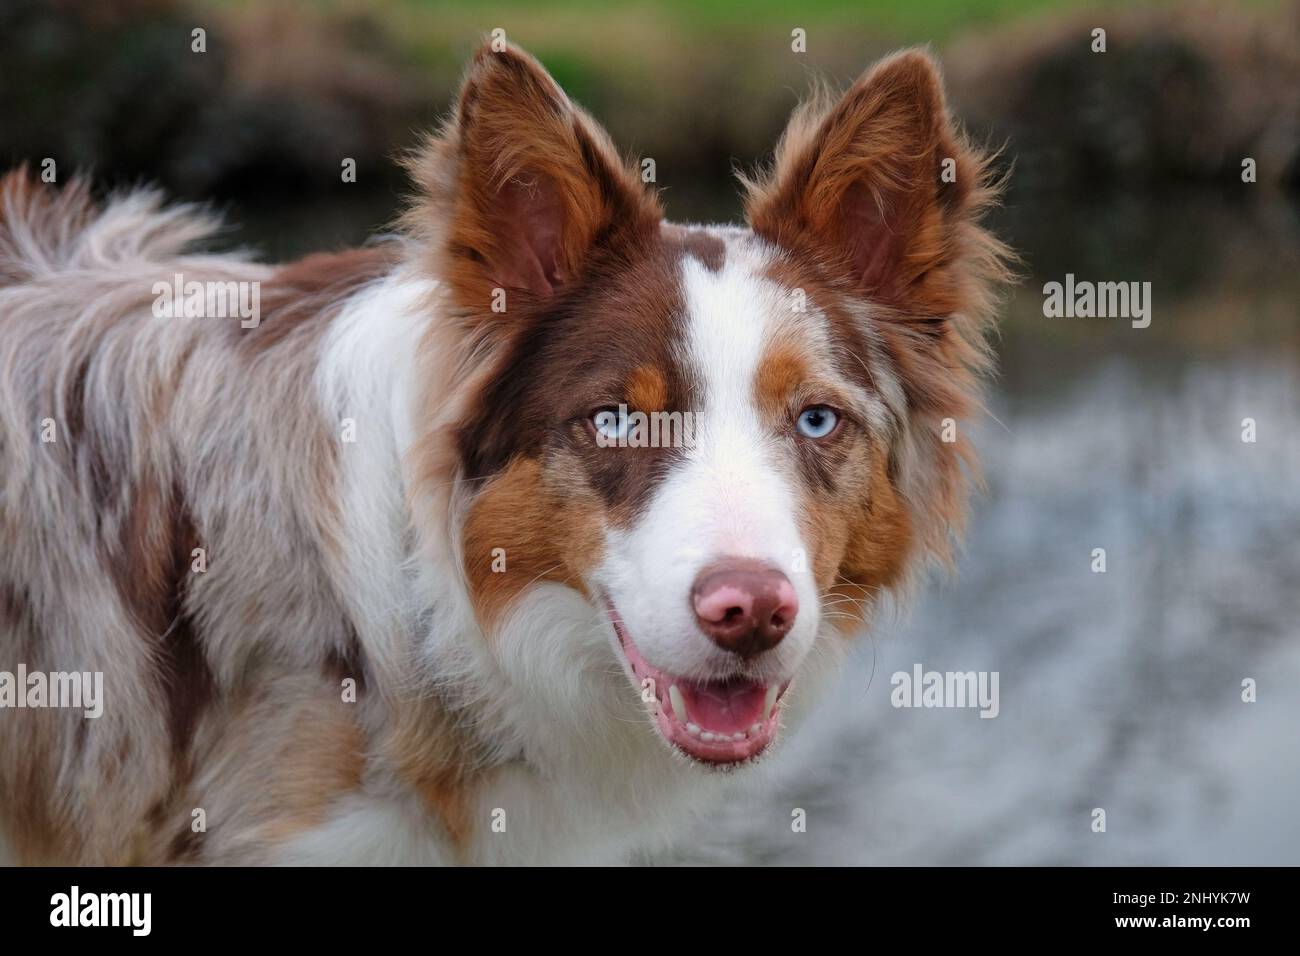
[521, 187]
[880, 186]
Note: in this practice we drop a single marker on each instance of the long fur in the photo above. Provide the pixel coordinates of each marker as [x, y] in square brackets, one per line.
[271, 543]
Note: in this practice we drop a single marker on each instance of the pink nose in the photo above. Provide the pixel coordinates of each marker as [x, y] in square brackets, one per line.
[746, 607]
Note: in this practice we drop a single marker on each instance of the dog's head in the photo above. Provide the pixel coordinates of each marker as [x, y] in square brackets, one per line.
[729, 442]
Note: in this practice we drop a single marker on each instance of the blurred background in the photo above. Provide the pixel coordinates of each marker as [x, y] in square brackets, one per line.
[1120, 690]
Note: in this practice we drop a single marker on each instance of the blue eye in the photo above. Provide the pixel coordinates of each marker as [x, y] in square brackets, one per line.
[817, 421]
[611, 424]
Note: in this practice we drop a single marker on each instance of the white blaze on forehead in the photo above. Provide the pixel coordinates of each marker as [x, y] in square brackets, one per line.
[729, 313]
[737, 314]
[737, 461]
[734, 316]
[733, 493]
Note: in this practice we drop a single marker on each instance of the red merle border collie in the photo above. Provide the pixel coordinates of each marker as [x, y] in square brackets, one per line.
[380, 577]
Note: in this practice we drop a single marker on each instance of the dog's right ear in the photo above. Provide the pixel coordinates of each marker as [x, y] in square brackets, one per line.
[522, 187]
[859, 182]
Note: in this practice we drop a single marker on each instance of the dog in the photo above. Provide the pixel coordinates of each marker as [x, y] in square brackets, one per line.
[393, 567]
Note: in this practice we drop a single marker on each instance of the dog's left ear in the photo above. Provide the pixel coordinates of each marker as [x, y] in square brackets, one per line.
[521, 189]
[878, 184]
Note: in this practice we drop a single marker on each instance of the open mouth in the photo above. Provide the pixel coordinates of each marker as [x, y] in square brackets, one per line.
[717, 722]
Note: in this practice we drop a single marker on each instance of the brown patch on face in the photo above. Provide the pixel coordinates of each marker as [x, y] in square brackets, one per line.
[782, 372]
[528, 448]
[611, 340]
[861, 545]
[815, 358]
[546, 528]
[701, 244]
[646, 389]
[580, 355]
[830, 296]
[856, 523]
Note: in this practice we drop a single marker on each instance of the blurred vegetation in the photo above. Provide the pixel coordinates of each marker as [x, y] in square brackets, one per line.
[287, 89]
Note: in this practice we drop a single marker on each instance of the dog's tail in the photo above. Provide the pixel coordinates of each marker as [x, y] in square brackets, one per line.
[46, 230]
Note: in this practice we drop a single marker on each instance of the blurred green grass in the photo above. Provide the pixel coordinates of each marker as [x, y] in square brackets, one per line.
[903, 20]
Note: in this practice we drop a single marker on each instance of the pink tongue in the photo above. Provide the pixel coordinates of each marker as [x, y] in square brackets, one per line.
[724, 708]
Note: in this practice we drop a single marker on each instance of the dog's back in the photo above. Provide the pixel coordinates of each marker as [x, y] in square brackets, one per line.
[165, 484]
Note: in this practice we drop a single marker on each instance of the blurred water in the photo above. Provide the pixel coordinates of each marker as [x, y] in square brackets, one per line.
[1119, 690]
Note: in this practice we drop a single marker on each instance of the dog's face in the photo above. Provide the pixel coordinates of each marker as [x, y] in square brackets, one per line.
[729, 441]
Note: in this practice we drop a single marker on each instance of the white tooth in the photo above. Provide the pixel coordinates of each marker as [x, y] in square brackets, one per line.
[756, 729]
[679, 703]
[693, 729]
[770, 701]
[707, 737]
[737, 736]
